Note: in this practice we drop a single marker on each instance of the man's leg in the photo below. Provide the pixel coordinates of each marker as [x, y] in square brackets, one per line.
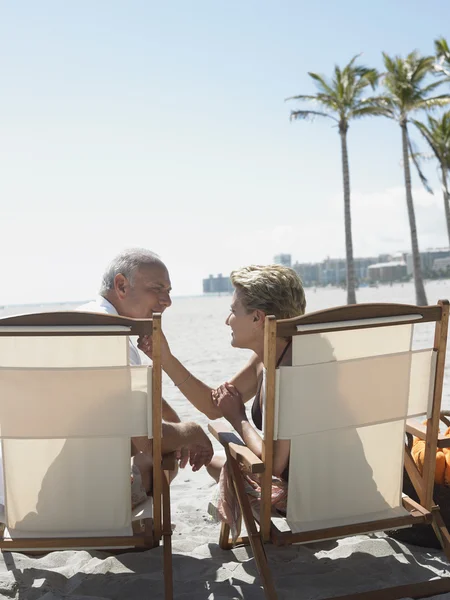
[142, 453]
[175, 437]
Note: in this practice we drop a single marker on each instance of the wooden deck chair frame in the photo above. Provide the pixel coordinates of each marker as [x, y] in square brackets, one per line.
[240, 457]
[150, 531]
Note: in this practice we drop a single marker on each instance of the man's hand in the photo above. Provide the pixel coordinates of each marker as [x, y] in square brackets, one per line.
[182, 456]
[190, 443]
[200, 448]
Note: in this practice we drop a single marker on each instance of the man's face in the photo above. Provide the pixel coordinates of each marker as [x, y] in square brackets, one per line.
[148, 292]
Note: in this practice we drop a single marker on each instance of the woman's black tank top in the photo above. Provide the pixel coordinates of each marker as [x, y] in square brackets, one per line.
[257, 412]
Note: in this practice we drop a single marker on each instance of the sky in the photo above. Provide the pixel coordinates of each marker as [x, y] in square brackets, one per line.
[163, 125]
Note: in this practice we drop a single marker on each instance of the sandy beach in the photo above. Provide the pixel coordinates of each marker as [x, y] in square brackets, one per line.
[203, 571]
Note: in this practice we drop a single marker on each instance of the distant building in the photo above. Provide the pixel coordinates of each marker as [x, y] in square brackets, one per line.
[386, 272]
[441, 265]
[362, 265]
[283, 259]
[427, 259]
[333, 271]
[217, 285]
[309, 272]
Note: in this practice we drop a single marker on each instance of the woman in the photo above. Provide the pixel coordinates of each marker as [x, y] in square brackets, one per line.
[259, 291]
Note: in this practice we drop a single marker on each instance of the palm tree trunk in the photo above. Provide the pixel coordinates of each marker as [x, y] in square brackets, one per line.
[351, 294]
[446, 200]
[421, 298]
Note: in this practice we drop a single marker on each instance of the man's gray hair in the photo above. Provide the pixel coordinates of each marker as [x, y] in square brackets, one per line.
[127, 263]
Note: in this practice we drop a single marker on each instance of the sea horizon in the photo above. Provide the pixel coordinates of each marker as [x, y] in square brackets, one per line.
[310, 289]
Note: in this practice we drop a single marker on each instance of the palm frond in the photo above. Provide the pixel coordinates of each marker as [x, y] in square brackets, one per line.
[420, 66]
[309, 115]
[406, 85]
[414, 157]
[342, 94]
[373, 77]
[430, 103]
[353, 60]
[324, 100]
[440, 68]
[437, 136]
[322, 83]
[302, 97]
[432, 86]
[427, 135]
[385, 105]
[442, 48]
[389, 63]
[367, 111]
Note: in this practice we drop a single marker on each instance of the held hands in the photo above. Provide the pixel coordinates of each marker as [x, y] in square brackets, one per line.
[229, 401]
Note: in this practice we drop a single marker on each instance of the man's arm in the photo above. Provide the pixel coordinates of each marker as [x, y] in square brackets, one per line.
[187, 435]
[168, 413]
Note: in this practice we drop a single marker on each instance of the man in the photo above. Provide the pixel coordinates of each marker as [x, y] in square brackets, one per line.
[136, 284]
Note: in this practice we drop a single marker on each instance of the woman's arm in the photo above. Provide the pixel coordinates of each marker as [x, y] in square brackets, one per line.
[197, 392]
[229, 401]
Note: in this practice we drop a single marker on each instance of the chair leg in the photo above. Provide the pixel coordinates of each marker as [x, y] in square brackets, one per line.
[253, 534]
[224, 538]
[167, 538]
[147, 525]
[441, 530]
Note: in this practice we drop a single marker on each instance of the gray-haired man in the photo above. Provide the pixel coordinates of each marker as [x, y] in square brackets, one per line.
[137, 284]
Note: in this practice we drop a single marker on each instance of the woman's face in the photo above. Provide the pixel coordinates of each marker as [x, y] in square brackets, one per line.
[242, 323]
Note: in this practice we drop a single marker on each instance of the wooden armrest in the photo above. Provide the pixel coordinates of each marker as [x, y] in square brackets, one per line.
[444, 416]
[168, 462]
[237, 448]
[420, 431]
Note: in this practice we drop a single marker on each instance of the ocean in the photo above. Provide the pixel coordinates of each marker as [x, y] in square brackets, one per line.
[196, 331]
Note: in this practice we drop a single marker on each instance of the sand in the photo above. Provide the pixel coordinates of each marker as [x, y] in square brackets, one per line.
[203, 571]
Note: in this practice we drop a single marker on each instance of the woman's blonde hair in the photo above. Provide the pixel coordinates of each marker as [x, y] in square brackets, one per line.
[274, 289]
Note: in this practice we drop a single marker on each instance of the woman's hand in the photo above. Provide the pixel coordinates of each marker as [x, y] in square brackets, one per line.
[229, 401]
[145, 343]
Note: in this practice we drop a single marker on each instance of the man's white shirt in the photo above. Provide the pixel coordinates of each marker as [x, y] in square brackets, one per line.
[102, 305]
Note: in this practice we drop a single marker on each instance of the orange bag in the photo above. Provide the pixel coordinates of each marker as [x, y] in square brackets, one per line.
[442, 474]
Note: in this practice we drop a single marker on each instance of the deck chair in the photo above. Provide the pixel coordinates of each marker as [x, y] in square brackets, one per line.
[69, 404]
[344, 404]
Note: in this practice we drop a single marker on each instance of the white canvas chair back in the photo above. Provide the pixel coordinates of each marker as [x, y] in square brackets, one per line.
[343, 405]
[69, 404]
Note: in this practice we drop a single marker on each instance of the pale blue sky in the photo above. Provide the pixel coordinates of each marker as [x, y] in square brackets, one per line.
[163, 124]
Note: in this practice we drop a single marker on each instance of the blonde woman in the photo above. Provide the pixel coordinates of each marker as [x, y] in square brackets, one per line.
[259, 291]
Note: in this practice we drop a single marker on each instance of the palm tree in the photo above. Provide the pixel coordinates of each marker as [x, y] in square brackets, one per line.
[407, 92]
[443, 55]
[437, 134]
[342, 99]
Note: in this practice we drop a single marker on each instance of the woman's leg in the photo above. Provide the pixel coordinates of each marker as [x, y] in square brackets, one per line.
[215, 466]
